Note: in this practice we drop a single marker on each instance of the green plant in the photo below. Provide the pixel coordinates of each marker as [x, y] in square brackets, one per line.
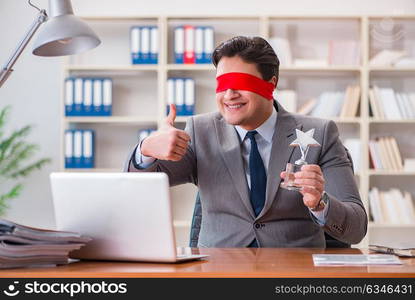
[14, 151]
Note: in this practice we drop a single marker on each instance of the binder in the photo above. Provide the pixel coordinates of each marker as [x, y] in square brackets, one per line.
[69, 155]
[179, 96]
[107, 97]
[87, 149]
[77, 146]
[79, 91]
[154, 45]
[199, 49]
[189, 51]
[135, 45]
[87, 108]
[97, 97]
[208, 44]
[170, 93]
[179, 45]
[145, 44]
[189, 97]
[69, 97]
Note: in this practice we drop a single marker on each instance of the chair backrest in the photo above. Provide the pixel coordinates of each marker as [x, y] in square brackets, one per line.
[331, 242]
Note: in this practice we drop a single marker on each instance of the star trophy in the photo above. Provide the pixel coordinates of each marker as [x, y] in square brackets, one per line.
[304, 141]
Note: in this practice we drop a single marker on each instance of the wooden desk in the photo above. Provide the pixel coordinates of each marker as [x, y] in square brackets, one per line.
[241, 262]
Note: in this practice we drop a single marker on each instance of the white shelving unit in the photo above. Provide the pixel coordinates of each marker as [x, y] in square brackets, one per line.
[139, 92]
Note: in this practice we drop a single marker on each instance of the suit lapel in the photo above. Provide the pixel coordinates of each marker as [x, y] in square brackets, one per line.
[231, 152]
[281, 152]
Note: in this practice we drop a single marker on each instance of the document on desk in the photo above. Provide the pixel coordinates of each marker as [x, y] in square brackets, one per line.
[355, 259]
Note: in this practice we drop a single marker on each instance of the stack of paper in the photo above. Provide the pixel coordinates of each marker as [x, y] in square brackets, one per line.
[354, 259]
[23, 246]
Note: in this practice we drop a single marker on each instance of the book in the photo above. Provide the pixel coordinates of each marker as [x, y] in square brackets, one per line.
[396, 153]
[309, 62]
[307, 107]
[376, 97]
[287, 98]
[375, 206]
[23, 246]
[282, 48]
[403, 250]
[343, 52]
[375, 155]
[353, 145]
[351, 102]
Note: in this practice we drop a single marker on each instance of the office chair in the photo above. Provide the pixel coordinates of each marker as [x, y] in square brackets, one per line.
[331, 242]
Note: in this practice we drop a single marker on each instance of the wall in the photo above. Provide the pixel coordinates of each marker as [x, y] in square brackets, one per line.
[34, 88]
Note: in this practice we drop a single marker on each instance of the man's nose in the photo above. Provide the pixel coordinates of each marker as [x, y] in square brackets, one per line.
[231, 94]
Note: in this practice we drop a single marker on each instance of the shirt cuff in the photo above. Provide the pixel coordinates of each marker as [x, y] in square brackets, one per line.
[322, 214]
[142, 160]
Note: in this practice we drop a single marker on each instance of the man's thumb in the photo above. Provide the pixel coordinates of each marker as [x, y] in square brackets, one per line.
[172, 115]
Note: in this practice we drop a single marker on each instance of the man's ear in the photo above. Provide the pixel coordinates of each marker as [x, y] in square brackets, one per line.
[274, 80]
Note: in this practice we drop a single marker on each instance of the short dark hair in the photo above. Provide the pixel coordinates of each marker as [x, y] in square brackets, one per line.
[252, 50]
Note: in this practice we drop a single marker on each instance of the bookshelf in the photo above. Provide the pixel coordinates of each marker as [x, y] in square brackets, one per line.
[139, 91]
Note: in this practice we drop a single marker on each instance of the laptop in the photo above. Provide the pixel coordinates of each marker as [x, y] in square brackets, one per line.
[127, 215]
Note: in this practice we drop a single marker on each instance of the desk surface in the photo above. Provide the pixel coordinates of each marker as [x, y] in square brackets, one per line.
[225, 262]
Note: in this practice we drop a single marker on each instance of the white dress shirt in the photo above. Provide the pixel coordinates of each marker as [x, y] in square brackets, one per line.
[264, 142]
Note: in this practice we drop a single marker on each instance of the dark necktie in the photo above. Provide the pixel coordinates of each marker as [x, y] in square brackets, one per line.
[257, 174]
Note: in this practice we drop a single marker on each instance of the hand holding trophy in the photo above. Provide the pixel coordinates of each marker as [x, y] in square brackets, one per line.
[304, 141]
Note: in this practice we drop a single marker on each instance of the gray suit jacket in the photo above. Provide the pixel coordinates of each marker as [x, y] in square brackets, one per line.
[213, 162]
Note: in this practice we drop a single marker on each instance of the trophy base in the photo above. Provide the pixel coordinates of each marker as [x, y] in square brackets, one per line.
[290, 187]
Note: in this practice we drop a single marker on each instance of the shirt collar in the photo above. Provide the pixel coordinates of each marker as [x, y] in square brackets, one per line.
[266, 130]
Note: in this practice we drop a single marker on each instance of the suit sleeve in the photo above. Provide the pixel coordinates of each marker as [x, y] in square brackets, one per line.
[179, 172]
[346, 218]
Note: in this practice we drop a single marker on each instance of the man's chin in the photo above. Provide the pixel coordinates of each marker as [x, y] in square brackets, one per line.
[232, 119]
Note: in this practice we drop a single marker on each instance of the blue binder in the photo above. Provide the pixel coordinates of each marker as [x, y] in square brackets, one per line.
[135, 45]
[179, 96]
[88, 94]
[199, 45]
[179, 45]
[69, 148]
[88, 149]
[145, 44]
[97, 97]
[189, 97]
[77, 149]
[69, 96]
[106, 97]
[154, 45]
[78, 96]
[208, 44]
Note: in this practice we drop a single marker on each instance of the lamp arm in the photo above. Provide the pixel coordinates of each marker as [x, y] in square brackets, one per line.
[7, 69]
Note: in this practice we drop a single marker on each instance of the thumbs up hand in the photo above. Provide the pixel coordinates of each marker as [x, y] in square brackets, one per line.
[167, 143]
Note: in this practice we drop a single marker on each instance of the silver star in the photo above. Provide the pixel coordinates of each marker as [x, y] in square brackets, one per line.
[304, 140]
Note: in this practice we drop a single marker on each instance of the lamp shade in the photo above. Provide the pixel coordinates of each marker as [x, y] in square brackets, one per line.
[63, 33]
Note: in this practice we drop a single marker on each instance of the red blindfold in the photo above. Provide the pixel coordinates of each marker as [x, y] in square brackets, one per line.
[246, 82]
